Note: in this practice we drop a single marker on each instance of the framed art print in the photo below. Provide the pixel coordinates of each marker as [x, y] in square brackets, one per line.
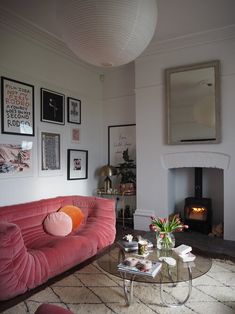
[17, 159]
[17, 107]
[74, 110]
[50, 151]
[121, 137]
[52, 106]
[77, 164]
[75, 135]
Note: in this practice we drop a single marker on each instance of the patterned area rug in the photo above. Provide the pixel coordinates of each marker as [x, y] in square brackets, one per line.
[92, 291]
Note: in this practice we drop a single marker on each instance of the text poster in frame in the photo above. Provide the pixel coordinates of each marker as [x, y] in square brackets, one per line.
[120, 138]
[17, 107]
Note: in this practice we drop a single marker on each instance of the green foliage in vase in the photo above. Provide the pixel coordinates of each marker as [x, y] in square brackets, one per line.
[127, 169]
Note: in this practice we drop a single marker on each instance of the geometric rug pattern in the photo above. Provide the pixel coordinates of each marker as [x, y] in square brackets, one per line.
[90, 290]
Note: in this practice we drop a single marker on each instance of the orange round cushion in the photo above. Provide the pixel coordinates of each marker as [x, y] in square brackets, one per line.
[75, 214]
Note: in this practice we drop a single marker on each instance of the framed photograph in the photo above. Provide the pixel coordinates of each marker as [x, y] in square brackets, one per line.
[52, 106]
[74, 110]
[16, 160]
[121, 137]
[75, 135]
[77, 164]
[50, 151]
[17, 107]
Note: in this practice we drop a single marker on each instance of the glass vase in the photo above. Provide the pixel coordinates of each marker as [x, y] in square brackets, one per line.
[165, 240]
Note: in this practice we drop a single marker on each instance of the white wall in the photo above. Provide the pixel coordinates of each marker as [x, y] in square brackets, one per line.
[26, 55]
[119, 101]
[153, 180]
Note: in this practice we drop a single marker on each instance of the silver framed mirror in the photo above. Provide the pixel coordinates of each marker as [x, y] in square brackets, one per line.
[193, 103]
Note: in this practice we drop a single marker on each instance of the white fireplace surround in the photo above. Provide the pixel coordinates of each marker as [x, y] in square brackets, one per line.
[189, 159]
[195, 159]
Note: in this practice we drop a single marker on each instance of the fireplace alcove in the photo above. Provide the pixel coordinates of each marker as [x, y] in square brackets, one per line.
[183, 187]
[181, 180]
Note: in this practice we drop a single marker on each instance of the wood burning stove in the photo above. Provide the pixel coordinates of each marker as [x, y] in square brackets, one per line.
[197, 209]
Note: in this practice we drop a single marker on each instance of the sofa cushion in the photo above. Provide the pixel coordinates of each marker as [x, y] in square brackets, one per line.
[75, 214]
[58, 224]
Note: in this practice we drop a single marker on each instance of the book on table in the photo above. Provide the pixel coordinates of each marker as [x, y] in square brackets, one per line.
[152, 272]
[132, 245]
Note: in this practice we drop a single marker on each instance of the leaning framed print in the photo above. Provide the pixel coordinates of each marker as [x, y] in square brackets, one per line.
[17, 107]
[50, 151]
[16, 159]
[74, 110]
[120, 138]
[52, 106]
[77, 164]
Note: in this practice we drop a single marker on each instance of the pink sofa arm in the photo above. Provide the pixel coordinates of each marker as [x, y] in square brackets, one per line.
[19, 270]
[101, 222]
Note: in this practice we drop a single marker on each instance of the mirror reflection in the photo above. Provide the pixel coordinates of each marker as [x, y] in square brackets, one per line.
[192, 95]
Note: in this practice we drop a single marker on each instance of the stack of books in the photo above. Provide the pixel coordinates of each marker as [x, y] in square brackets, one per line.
[136, 270]
[132, 245]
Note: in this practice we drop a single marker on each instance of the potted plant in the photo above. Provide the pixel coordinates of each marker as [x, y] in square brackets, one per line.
[127, 173]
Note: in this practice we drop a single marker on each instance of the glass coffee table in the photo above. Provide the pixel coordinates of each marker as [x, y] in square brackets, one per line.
[170, 275]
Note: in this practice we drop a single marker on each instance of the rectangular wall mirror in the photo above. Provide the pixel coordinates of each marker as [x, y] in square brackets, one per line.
[193, 103]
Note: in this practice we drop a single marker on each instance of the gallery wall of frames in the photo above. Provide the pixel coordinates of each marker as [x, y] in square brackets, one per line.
[18, 119]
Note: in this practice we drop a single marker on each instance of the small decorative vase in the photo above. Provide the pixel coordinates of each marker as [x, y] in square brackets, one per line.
[165, 240]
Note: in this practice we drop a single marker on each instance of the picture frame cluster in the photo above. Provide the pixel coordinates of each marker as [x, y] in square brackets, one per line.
[18, 118]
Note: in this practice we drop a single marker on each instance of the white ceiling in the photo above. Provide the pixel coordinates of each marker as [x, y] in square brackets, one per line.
[176, 18]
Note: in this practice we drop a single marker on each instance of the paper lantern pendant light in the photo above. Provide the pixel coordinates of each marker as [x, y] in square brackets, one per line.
[107, 32]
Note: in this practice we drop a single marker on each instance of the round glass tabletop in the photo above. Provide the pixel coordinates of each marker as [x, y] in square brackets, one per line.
[178, 273]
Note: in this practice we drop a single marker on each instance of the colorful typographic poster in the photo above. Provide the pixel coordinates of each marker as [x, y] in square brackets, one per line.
[17, 107]
[16, 159]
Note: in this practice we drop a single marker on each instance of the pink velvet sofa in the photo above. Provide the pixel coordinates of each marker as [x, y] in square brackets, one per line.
[29, 256]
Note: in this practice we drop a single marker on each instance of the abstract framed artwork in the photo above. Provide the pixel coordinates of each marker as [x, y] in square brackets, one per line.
[52, 106]
[50, 151]
[17, 107]
[121, 137]
[77, 164]
[74, 110]
[16, 159]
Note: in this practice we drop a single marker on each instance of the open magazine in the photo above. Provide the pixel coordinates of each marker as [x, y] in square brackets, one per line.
[152, 272]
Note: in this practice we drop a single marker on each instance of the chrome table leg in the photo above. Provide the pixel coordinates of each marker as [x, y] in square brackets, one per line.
[174, 285]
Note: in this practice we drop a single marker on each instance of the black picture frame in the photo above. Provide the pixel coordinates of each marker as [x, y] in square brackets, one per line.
[17, 107]
[77, 162]
[121, 137]
[73, 110]
[52, 106]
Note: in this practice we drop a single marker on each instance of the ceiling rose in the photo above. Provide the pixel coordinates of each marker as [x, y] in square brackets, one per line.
[107, 32]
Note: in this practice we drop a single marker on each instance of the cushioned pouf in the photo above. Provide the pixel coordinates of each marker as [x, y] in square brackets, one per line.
[51, 309]
[58, 224]
[75, 214]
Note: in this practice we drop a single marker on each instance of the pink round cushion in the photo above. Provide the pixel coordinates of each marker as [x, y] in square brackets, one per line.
[58, 224]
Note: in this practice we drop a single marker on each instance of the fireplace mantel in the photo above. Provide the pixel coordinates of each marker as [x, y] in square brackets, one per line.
[195, 159]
